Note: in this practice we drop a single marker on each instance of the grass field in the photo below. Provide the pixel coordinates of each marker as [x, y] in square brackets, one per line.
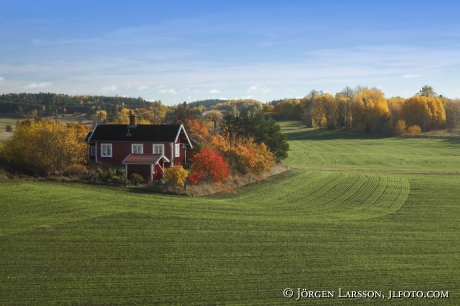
[323, 149]
[378, 224]
[3, 123]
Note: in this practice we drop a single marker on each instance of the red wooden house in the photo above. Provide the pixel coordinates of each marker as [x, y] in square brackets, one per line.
[142, 149]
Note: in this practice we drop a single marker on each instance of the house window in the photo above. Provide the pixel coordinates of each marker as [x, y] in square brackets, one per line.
[106, 150]
[158, 149]
[177, 150]
[92, 150]
[137, 148]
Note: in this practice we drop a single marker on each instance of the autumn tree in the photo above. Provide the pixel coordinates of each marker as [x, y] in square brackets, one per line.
[234, 106]
[122, 117]
[100, 116]
[371, 110]
[268, 108]
[288, 109]
[395, 105]
[243, 154]
[400, 128]
[178, 114]
[452, 108]
[45, 147]
[196, 127]
[158, 111]
[426, 112]
[208, 164]
[213, 117]
[255, 124]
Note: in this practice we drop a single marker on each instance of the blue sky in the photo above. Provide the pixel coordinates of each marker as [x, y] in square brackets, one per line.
[177, 51]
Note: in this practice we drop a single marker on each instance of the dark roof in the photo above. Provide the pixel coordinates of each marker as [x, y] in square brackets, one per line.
[144, 159]
[141, 132]
[88, 136]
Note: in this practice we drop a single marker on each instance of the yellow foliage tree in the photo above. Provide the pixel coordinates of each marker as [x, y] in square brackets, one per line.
[122, 116]
[288, 109]
[343, 110]
[426, 112]
[159, 112]
[318, 112]
[395, 105]
[268, 108]
[400, 128]
[101, 115]
[175, 175]
[45, 147]
[233, 105]
[452, 108]
[372, 110]
[414, 130]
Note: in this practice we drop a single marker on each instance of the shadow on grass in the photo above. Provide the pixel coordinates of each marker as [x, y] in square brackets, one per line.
[453, 141]
[156, 190]
[320, 134]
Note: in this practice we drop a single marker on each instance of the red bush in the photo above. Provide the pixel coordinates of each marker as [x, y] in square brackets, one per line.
[209, 164]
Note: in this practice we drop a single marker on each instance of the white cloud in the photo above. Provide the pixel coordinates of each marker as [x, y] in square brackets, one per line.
[411, 75]
[170, 91]
[2, 79]
[215, 90]
[108, 89]
[258, 89]
[142, 88]
[37, 85]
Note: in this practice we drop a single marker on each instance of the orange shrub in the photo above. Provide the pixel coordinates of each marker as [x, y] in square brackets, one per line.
[243, 154]
[414, 130]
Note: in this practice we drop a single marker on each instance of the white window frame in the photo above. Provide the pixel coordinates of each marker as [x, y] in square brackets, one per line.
[177, 150]
[137, 148]
[92, 150]
[104, 151]
[162, 146]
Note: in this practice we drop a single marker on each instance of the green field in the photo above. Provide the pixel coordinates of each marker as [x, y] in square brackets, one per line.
[3, 123]
[356, 212]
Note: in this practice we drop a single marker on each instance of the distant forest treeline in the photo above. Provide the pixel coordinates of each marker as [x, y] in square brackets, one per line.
[47, 104]
[365, 109]
[360, 109]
